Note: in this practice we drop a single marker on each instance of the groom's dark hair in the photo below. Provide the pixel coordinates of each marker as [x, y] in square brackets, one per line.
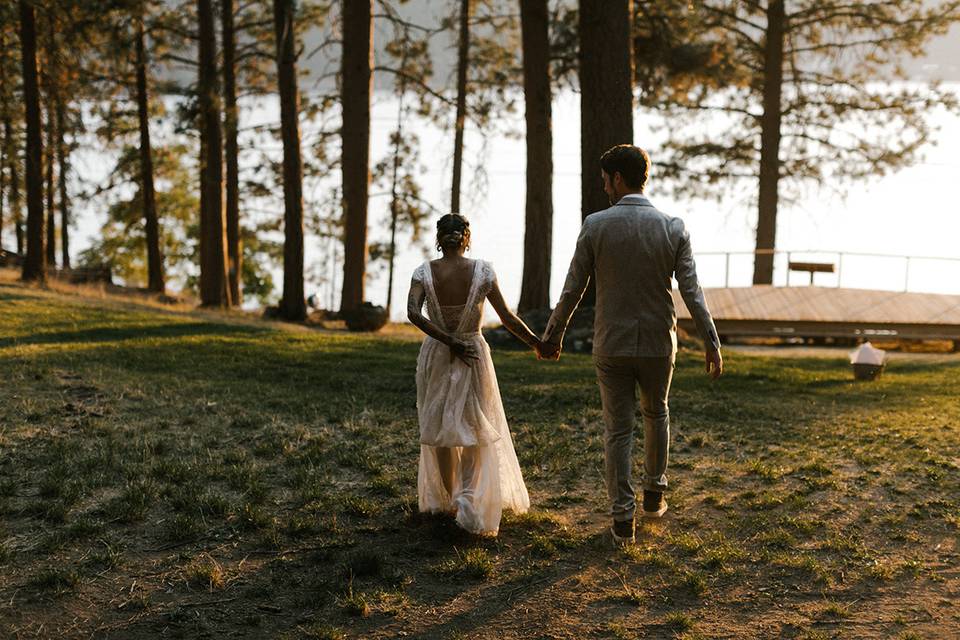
[631, 162]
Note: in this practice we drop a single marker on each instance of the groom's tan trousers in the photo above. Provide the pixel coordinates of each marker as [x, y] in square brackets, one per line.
[618, 379]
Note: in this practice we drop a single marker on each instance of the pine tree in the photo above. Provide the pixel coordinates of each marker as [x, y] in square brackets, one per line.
[356, 81]
[231, 151]
[214, 286]
[606, 92]
[34, 264]
[463, 61]
[156, 278]
[801, 90]
[293, 304]
[49, 78]
[538, 235]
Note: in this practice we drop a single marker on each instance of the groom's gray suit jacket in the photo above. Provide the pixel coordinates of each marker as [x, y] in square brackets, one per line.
[632, 250]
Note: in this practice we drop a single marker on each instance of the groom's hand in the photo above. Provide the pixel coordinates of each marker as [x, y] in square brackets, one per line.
[714, 362]
[549, 351]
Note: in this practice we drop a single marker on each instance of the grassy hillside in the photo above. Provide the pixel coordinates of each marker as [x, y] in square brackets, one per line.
[183, 474]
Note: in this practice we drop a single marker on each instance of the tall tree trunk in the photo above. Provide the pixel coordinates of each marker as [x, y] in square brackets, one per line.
[14, 198]
[155, 273]
[292, 306]
[50, 92]
[34, 265]
[394, 197]
[7, 133]
[3, 180]
[50, 190]
[355, 98]
[62, 174]
[463, 59]
[606, 96]
[606, 92]
[538, 234]
[770, 144]
[231, 153]
[214, 291]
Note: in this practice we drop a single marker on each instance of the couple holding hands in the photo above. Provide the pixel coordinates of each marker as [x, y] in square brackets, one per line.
[468, 466]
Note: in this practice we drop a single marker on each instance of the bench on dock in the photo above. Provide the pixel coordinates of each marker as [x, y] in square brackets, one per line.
[812, 268]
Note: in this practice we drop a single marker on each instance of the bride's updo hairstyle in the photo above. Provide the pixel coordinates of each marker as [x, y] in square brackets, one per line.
[451, 223]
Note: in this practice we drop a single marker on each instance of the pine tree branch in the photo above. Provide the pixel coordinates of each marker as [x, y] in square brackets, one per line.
[243, 26]
[187, 35]
[418, 82]
[395, 19]
[724, 109]
[175, 58]
[733, 16]
[826, 46]
[875, 21]
[253, 53]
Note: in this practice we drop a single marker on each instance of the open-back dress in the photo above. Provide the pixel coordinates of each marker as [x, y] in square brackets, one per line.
[464, 437]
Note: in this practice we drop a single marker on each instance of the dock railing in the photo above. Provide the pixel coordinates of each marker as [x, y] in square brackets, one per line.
[862, 270]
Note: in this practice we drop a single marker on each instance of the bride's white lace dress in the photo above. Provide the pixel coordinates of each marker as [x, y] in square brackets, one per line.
[467, 461]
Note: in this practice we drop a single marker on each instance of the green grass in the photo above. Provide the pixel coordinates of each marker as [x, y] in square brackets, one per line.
[196, 473]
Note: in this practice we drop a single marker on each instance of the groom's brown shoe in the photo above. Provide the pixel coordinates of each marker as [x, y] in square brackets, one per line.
[623, 532]
[654, 505]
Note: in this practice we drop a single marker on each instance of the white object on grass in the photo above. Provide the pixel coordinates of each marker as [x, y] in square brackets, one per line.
[868, 354]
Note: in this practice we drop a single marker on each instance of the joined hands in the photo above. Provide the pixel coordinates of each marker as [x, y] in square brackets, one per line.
[547, 350]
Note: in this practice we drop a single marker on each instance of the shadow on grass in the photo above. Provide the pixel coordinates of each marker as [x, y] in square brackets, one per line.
[10, 297]
[134, 332]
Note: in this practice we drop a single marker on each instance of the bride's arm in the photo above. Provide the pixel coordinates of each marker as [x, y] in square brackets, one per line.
[415, 299]
[510, 320]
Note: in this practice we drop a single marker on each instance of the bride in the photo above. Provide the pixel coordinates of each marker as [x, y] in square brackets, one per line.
[468, 467]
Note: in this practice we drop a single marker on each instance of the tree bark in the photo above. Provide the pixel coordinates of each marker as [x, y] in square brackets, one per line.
[463, 59]
[34, 265]
[50, 93]
[538, 234]
[231, 153]
[214, 291]
[62, 175]
[606, 92]
[14, 198]
[394, 198]
[3, 179]
[606, 97]
[355, 98]
[770, 144]
[51, 226]
[292, 306]
[7, 133]
[155, 273]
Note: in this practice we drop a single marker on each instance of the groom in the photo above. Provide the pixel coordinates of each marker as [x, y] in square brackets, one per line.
[632, 250]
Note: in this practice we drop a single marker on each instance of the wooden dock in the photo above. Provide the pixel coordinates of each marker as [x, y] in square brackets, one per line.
[827, 312]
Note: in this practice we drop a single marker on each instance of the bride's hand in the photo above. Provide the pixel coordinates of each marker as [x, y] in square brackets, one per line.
[463, 350]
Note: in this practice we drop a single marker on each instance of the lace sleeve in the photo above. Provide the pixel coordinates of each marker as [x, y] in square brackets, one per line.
[487, 278]
[417, 277]
[418, 294]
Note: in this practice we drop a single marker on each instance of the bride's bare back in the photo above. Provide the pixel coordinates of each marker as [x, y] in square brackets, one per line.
[452, 279]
